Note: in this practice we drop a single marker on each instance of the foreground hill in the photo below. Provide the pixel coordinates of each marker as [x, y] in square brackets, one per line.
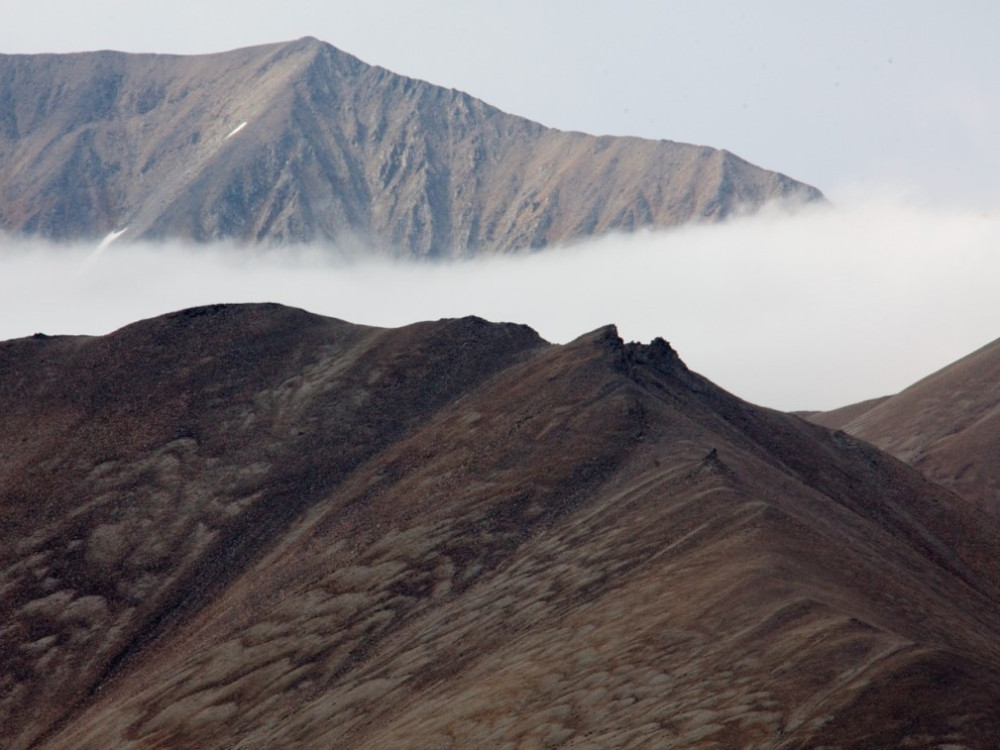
[946, 425]
[301, 142]
[253, 526]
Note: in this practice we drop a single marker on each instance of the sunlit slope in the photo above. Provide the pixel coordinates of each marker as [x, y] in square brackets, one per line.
[300, 142]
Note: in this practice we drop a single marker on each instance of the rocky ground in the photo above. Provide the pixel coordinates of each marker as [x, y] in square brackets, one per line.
[248, 526]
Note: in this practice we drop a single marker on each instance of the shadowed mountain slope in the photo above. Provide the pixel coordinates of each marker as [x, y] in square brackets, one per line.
[946, 425]
[300, 142]
[248, 525]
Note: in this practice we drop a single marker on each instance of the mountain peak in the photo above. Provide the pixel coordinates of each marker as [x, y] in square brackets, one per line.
[310, 41]
[301, 142]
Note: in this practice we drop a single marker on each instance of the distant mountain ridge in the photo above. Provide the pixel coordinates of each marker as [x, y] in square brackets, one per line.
[301, 142]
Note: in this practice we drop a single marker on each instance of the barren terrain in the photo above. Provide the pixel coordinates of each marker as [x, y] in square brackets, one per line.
[947, 425]
[300, 142]
[249, 526]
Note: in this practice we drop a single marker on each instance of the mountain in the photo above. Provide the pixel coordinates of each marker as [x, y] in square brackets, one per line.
[252, 526]
[837, 419]
[300, 142]
[946, 425]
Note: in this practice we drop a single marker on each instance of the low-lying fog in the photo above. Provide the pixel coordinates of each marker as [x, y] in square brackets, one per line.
[807, 311]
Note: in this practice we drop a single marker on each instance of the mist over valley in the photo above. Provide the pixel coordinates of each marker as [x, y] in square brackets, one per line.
[810, 309]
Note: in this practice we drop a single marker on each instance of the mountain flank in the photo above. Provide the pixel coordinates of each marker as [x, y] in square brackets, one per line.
[301, 142]
[836, 419]
[253, 526]
[946, 425]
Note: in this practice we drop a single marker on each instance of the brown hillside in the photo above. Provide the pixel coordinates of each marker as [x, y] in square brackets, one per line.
[332, 150]
[836, 419]
[250, 526]
[947, 426]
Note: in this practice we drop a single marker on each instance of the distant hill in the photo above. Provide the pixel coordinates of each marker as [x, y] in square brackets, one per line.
[836, 419]
[946, 425]
[300, 142]
[249, 526]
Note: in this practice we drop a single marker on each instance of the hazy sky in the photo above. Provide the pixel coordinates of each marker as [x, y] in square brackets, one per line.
[891, 108]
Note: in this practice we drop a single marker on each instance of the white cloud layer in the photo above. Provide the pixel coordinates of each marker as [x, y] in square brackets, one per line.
[807, 311]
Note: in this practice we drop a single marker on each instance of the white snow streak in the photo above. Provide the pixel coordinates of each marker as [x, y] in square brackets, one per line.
[236, 130]
[111, 237]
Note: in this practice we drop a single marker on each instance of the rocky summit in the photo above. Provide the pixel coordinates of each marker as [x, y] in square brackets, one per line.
[301, 142]
[250, 526]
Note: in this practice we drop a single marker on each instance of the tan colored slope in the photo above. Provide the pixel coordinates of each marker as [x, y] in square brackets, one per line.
[947, 426]
[836, 419]
[332, 150]
[454, 535]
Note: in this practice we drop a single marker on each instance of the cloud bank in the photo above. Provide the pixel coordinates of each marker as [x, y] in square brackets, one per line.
[812, 310]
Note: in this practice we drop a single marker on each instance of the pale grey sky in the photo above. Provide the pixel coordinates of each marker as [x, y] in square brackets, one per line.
[898, 96]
